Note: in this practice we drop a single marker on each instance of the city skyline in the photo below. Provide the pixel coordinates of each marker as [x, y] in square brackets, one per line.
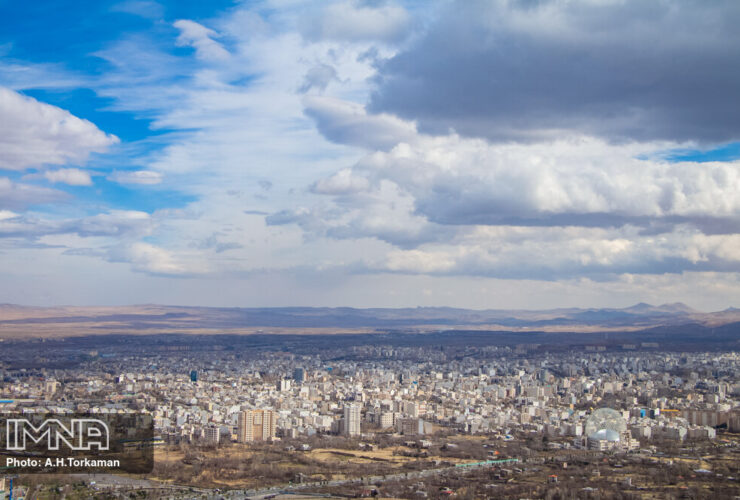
[399, 413]
[484, 155]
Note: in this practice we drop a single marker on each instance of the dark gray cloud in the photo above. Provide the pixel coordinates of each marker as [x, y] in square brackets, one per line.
[528, 70]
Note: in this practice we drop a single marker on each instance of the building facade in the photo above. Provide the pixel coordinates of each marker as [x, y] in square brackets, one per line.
[352, 416]
[256, 425]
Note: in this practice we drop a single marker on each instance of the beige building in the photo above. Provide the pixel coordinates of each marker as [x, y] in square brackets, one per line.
[256, 425]
[352, 416]
[51, 387]
[386, 420]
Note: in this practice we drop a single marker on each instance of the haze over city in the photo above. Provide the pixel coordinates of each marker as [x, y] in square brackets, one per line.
[502, 154]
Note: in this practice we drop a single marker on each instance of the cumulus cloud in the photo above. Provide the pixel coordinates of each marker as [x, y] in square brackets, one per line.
[582, 181]
[15, 195]
[512, 140]
[344, 182]
[7, 214]
[144, 177]
[528, 71]
[201, 39]
[71, 176]
[354, 21]
[385, 212]
[318, 78]
[565, 253]
[145, 257]
[152, 259]
[577, 206]
[348, 123]
[119, 223]
[33, 134]
[124, 224]
[114, 236]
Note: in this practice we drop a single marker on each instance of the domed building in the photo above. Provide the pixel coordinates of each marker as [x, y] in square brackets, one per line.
[605, 435]
[606, 429]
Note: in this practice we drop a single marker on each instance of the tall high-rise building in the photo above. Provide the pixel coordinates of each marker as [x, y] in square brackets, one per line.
[352, 417]
[193, 375]
[256, 425]
[283, 384]
[212, 434]
[299, 375]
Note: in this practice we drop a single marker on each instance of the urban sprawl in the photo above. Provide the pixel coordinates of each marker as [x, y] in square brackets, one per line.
[517, 415]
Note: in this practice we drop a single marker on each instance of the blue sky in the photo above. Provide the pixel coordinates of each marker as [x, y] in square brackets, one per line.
[370, 153]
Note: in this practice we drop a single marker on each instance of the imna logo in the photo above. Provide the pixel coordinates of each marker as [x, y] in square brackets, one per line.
[81, 434]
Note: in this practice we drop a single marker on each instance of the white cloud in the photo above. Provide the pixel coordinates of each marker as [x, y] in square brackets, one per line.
[114, 223]
[144, 177]
[7, 214]
[378, 211]
[419, 261]
[201, 39]
[120, 224]
[18, 75]
[352, 21]
[386, 212]
[563, 253]
[33, 134]
[574, 181]
[441, 205]
[577, 206]
[71, 176]
[344, 182]
[152, 259]
[18, 196]
[348, 123]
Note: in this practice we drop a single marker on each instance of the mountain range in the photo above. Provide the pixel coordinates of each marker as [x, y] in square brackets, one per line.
[25, 321]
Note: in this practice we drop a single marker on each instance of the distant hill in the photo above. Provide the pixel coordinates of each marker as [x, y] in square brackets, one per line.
[24, 321]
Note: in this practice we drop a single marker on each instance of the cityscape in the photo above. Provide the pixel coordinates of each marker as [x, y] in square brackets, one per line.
[392, 249]
[397, 414]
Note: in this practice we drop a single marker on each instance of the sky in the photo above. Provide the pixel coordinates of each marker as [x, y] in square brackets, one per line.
[369, 153]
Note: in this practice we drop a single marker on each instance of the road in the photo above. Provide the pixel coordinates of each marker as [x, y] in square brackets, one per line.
[105, 482]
